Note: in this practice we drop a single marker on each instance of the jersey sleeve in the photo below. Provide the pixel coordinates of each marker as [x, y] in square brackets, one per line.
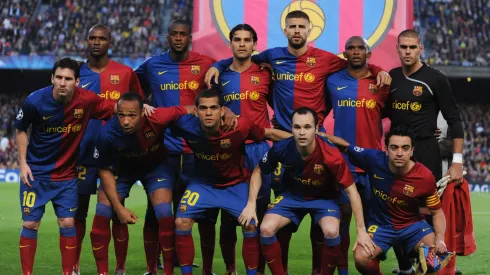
[26, 116]
[164, 116]
[222, 64]
[334, 63]
[339, 168]
[448, 106]
[141, 73]
[431, 197]
[103, 109]
[262, 57]
[103, 155]
[269, 161]
[134, 85]
[361, 157]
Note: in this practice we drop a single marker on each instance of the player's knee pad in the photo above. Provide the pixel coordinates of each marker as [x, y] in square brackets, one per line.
[163, 210]
[68, 232]
[103, 210]
[28, 233]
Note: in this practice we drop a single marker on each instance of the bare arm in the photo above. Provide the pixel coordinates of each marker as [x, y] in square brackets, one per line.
[439, 221]
[25, 171]
[249, 213]
[276, 135]
[363, 238]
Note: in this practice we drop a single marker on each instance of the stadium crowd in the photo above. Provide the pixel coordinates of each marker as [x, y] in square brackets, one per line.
[8, 151]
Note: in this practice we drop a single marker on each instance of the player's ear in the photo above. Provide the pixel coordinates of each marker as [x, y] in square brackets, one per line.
[222, 109]
[77, 82]
[52, 79]
[369, 54]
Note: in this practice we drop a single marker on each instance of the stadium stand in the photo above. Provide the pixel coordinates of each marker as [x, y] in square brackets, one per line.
[14, 20]
[10, 105]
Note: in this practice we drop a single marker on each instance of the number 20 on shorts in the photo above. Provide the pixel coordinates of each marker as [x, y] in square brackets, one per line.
[190, 198]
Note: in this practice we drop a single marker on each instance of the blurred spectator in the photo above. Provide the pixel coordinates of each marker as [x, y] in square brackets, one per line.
[10, 105]
[14, 18]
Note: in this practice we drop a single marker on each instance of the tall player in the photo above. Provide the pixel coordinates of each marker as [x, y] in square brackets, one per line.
[59, 116]
[221, 178]
[300, 72]
[109, 80]
[357, 104]
[132, 146]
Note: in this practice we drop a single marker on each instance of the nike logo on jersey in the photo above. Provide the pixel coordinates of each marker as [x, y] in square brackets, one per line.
[279, 62]
[159, 180]
[85, 85]
[225, 83]
[160, 73]
[70, 247]
[341, 88]
[332, 210]
[393, 90]
[97, 248]
[47, 117]
[378, 177]
[270, 262]
[149, 241]
[73, 209]
[425, 229]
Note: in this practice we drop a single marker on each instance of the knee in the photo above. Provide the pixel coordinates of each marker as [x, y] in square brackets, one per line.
[268, 229]
[331, 232]
[183, 224]
[66, 222]
[361, 258]
[34, 225]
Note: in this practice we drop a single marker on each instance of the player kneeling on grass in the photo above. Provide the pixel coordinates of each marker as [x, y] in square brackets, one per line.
[399, 185]
[132, 144]
[313, 170]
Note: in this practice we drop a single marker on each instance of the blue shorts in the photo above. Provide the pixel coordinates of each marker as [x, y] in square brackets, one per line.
[295, 209]
[87, 179]
[181, 168]
[63, 195]
[385, 237]
[363, 187]
[156, 178]
[254, 152]
[199, 200]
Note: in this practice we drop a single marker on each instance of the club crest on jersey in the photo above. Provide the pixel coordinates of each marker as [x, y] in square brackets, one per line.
[408, 189]
[114, 95]
[195, 69]
[373, 88]
[78, 113]
[255, 80]
[27, 211]
[319, 169]
[183, 208]
[20, 115]
[115, 79]
[225, 143]
[417, 90]
[150, 135]
[310, 61]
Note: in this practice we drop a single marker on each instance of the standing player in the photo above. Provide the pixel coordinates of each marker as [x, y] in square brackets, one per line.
[314, 170]
[399, 185]
[357, 103]
[133, 145]
[221, 177]
[109, 80]
[59, 116]
[418, 93]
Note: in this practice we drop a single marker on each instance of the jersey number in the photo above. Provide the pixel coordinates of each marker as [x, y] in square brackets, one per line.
[278, 199]
[29, 199]
[190, 198]
[277, 172]
[82, 170]
[372, 229]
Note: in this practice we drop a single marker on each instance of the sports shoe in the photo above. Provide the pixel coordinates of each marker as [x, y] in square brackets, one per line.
[120, 272]
[208, 273]
[457, 271]
[395, 270]
[149, 273]
[74, 272]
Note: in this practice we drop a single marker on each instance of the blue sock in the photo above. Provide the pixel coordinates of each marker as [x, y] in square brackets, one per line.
[103, 210]
[332, 241]
[28, 233]
[163, 210]
[267, 240]
[343, 271]
[68, 232]
[250, 234]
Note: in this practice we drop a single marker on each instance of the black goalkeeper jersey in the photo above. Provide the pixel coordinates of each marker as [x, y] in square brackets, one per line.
[416, 100]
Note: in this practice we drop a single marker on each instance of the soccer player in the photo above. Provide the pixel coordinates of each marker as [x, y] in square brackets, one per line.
[221, 177]
[314, 169]
[417, 94]
[357, 104]
[399, 185]
[133, 145]
[109, 80]
[58, 116]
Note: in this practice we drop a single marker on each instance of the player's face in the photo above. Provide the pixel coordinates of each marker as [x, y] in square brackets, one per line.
[297, 31]
[304, 129]
[129, 115]
[210, 113]
[399, 150]
[409, 50]
[179, 38]
[357, 54]
[98, 42]
[64, 82]
[242, 45]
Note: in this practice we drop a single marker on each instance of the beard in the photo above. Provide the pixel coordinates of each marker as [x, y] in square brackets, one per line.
[296, 45]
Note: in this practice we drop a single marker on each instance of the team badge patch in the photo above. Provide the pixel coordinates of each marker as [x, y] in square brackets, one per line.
[310, 61]
[373, 88]
[150, 135]
[195, 69]
[115, 79]
[319, 169]
[371, 103]
[408, 189]
[115, 95]
[27, 211]
[415, 106]
[254, 95]
[225, 156]
[78, 113]
[255, 80]
[77, 128]
[417, 90]
[183, 208]
[225, 143]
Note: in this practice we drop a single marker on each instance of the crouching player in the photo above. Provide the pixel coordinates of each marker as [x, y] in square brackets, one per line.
[133, 145]
[399, 185]
[313, 170]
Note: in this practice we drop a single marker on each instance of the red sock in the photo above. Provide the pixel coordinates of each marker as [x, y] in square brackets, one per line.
[68, 248]
[261, 267]
[344, 251]
[207, 233]
[150, 237]
[101, 237]
[330, 259]
[185, 250]
[81, 227]
[166, 236]
[371, 269]
[250, 250]
[121, 242]
[317, 242]
[284, 237]
[227, 242]
[27, 252]
[272, 254]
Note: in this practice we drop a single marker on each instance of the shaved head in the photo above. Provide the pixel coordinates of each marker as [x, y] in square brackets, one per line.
[410, 34]
[102, 28]
[357, 40]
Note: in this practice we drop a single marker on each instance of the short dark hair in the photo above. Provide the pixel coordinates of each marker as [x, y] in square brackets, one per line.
[304, 111]
[210, 93]
[298, 14]
[400, 130]
[131, 96]
[180, 21]
[410, 33]
[100, 27]
[244, 27]
[67, 63]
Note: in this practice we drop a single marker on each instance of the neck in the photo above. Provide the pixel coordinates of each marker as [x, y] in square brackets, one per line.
[98, 64]
[209, 132]
[305, 151]
[178, 57]
[297, 52]
[240, 65]
[408, 70]
[62, 99]
[402, 171]
[359, 73]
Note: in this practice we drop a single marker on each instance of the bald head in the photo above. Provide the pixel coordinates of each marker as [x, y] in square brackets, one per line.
[357, 40]
[100, 27]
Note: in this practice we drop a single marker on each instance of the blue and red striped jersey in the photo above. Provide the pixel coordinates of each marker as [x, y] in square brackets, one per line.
[57, 130]
[395, 200]
[174, 84]
[246, 93]
[357, 105]
[110, 84]
[319, 175]
[219, 160]
[138, 152]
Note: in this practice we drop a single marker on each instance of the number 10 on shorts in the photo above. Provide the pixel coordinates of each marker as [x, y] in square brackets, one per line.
[29, 199]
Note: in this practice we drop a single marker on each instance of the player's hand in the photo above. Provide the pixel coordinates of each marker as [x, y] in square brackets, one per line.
[148, 110]
[456, 172]
[266, 66]
[383, 78]
[438, 135]
[248, 214]
[230, 121]
[126, 216]
[441, 247]
[274, 123]
[26, 174]
[365, 242]
[210, 74]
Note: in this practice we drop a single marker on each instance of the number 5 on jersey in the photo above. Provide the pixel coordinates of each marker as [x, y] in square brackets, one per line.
[190, 198]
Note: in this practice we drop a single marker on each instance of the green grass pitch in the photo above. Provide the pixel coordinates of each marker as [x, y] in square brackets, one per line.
[48, 260]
